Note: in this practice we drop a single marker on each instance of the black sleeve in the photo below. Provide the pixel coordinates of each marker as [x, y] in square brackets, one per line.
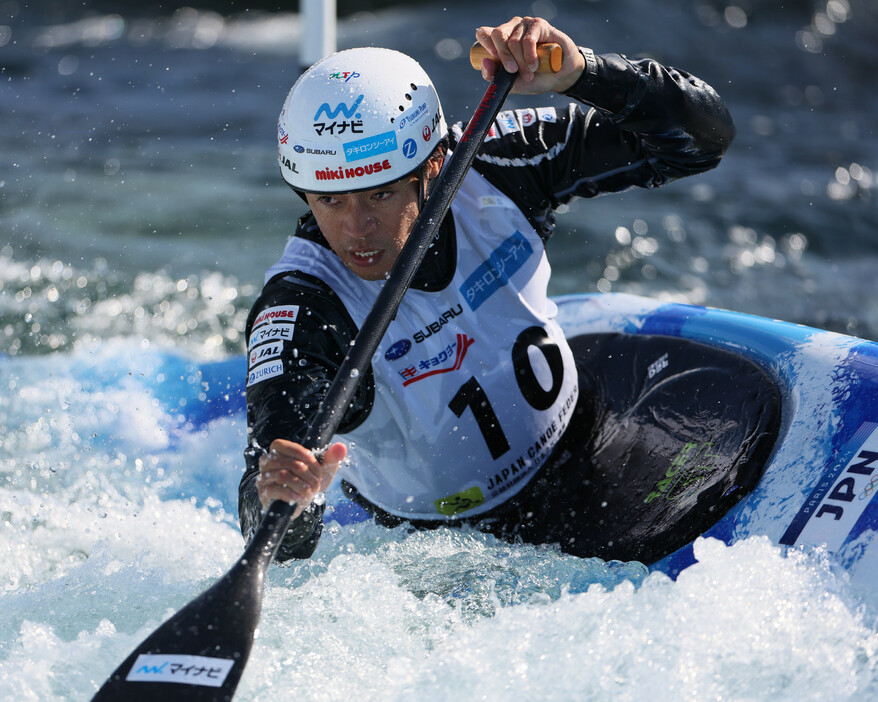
[281, 406]
[636, 124]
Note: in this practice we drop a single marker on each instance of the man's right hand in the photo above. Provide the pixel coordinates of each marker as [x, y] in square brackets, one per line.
[292, 473]
[514, 44]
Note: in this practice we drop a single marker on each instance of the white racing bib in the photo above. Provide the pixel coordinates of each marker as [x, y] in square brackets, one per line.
[474, 384]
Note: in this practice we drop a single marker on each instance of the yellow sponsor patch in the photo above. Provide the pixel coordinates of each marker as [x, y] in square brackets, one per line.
[460, 502]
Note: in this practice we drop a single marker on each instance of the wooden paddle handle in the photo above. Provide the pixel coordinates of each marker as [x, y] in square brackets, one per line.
[550, 56]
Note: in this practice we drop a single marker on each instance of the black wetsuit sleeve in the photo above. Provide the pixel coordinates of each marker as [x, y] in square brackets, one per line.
[281, 405]
[635, 124]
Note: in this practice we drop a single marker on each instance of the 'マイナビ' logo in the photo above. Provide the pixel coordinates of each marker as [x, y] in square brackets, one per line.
[176, 668]
[348, 112]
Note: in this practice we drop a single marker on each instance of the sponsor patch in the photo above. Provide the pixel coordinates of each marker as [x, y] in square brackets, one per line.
[495, 272]
[344, 76]
[286, 163]
[353, 172]
[492, 133]
[182, 669]
[507, 123]
[286, 313]
[339, 127]
[398, 350]
[264, 353]
[490, 201]
[270, 332]
[547, 114]
[342, 108]
[435, 327]
[371, 146]
[526, 117]
[657, 366]
[460, 502]
[416, 114]
[307, 147]
[264, 371]
[447, 360]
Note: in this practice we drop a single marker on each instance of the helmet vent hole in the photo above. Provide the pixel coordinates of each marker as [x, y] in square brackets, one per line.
[402, 108]
[414, 87]
[408, 97]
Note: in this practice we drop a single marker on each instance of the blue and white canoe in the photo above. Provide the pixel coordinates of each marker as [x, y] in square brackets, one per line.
[817, 485]
[760, 427]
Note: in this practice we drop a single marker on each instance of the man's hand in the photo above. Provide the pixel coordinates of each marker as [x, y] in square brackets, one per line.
[291, 473]
[514, 44]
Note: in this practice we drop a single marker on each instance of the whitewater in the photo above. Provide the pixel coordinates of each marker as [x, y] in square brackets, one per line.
[139, 207]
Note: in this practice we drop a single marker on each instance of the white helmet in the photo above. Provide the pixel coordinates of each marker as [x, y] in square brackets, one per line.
[356, 120]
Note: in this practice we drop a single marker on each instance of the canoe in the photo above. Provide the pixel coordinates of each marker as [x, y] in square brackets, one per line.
[696, 422]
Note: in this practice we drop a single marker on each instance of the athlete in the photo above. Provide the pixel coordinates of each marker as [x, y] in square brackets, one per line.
[461, 418]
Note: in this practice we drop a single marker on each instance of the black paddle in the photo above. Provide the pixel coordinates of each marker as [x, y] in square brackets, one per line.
[200, 652]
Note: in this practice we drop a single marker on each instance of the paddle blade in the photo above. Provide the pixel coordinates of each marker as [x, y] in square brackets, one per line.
[200, 652]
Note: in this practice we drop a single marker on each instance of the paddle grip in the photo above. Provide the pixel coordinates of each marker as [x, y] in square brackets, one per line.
[551, 56]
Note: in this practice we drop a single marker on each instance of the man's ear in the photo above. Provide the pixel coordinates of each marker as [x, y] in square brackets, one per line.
[434, 165]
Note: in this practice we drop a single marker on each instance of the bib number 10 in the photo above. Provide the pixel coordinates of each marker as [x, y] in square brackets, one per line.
[471, 395]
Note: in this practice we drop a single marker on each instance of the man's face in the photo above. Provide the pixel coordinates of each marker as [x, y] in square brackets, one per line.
[368, 229]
